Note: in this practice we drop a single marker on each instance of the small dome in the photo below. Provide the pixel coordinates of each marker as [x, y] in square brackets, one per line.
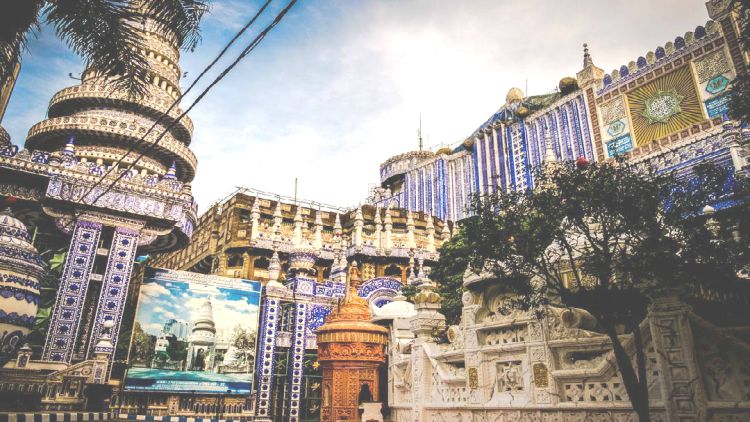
[468, 143]
[15, 238]
[398, 308]
[444, 150]
[514, 95]
[567, 85]
[522, 111]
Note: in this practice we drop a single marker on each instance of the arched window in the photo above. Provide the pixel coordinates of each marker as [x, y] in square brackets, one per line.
[234, 260]
[262, 263]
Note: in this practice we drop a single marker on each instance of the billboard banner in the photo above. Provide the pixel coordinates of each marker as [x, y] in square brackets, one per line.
[194, 333]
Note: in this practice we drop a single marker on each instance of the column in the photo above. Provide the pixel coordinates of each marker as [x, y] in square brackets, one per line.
[114, 289]
[296, 369]
[264, 371]
[66, 315]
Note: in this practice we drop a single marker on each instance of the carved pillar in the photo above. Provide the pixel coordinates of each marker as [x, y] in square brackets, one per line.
[472, 355]
[114, 287]
[247, 266]
[66, 315]
[264, 372]
[296, 368]
[684, 397]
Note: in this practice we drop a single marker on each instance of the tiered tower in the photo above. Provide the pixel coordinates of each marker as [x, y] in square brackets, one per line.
[148, 208]
[203, 338]
[108, 123]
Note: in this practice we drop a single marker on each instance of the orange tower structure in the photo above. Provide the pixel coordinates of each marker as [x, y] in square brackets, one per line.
[350, 351]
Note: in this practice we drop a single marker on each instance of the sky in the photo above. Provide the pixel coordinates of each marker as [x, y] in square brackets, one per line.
[339, 85]
[161, 301]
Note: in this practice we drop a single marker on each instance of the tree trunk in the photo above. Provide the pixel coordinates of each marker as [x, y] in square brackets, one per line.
[637, 388]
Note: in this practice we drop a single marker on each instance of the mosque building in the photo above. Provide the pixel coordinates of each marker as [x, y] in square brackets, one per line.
[665, 110]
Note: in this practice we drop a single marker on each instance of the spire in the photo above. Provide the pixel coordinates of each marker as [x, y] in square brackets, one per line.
[359, 223]
[387, 239]
[378, 229]
[255, 219]
[172, 172]
[411, 242]
[446, 233]
[274, 267]
[318, 239]
[590, 74]
[587, 61]
[430, 234]
[297, 233]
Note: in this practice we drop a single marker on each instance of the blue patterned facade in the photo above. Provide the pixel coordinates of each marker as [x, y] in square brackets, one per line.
[114, 286]
[66, 316]
[291, 315]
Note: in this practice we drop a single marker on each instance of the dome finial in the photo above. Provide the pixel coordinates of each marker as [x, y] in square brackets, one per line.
[587, 61]
[70, 148]
[172, 172]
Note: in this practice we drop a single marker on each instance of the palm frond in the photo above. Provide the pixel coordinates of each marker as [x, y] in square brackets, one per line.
[17, 20]
[106, 34]
[178, 17]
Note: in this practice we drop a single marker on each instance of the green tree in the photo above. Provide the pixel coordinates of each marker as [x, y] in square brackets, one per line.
[104, 32]
[609, 240]
[740, 106]
[143, 346]
[448, 274]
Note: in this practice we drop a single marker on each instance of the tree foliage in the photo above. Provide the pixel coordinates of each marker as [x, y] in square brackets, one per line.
[608, 239]
[105, 33]
[449, 276]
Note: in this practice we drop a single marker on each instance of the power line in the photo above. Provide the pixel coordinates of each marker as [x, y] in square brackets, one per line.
[221, 76]
[177, 101]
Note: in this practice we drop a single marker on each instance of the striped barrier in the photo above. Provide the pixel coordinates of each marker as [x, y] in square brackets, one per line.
[89, 416]
[55, 417]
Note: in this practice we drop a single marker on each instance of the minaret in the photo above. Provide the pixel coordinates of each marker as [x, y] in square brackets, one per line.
[430, 234]
[203, 338]
[411, 242]
[277, 220]
[318, 237]
[388, 238]
[359, 223]
[107, 122]
[337, 233]
[255, 219]
[378, 230]
[297, 233]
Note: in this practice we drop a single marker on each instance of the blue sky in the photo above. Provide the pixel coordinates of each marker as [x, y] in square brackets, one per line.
[162, 300]
[338, 86]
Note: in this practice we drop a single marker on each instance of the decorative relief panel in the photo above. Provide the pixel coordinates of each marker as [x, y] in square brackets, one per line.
[63, 327]
[115, 285]
[664, 106]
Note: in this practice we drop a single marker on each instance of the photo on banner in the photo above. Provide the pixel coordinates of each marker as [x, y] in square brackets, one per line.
[194, 333]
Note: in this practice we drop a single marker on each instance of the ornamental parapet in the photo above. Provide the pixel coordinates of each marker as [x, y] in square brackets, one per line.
[119, 130]
[156, 100]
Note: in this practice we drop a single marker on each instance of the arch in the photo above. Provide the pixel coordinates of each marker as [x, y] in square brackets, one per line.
[380, 290]
[394, 271]
[234, 259]
[262, 263]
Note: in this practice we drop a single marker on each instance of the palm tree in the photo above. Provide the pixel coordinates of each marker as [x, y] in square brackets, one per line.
[104, 32]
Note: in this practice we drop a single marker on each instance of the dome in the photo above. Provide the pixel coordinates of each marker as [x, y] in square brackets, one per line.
[398, 308]
[514, 95]
[567, 85]
[444, 150]
[522, 111]
[20, 270]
